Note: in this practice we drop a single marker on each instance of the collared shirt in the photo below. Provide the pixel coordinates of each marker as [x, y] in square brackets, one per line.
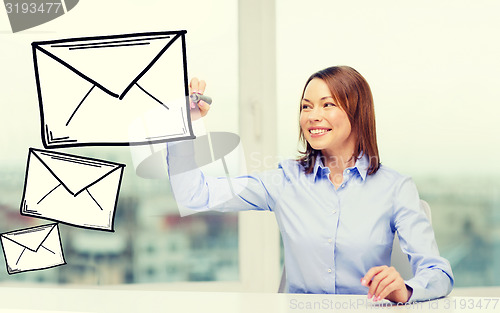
[331, 237]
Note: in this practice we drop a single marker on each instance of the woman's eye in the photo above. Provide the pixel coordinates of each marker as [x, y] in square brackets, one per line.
[305, 106]
[329, 104]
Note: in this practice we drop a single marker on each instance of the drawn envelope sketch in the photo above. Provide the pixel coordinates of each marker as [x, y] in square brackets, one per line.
[71, 189]
[92, 90]
[32, 248]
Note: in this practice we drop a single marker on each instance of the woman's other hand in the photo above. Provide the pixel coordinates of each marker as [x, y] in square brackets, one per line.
[201, 109]
[386, 283]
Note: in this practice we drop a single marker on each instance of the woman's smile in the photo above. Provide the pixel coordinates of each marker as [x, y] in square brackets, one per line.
[318, 131]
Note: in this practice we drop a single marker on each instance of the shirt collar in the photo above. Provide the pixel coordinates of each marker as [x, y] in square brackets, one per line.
[319, 168]
[361, 166]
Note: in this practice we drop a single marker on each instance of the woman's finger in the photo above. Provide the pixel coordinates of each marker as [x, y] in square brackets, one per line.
[201, 86]
[204, 107]
[194, 85]
[387, 283]
[365, 281]
[370, 279]
[397, 284]
[200, 108]
[383, 284]
[375, 282]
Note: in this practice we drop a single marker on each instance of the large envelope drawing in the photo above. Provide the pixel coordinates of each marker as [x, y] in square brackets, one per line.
[71, 189]
[113, 90]
[32, 248]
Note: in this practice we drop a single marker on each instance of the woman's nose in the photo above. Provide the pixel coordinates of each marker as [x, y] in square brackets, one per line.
[315, 115]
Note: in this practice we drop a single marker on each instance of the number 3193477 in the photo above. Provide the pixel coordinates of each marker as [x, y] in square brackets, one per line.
[33, 8]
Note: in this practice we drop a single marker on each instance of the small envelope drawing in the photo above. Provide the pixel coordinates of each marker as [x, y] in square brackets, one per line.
[32, 248]
[71, 189]
[92, 90]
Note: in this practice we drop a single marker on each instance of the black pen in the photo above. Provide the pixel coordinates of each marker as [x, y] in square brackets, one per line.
[196, 97]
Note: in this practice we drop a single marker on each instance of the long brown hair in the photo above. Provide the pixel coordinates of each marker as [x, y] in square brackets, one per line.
[352, 93]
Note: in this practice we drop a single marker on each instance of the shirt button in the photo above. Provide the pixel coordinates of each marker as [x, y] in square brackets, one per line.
[330, 240]
[343, 185]
[334, 211]
[348, 171]
[329, 270]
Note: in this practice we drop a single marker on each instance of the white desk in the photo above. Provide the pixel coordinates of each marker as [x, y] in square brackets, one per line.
[42, 300]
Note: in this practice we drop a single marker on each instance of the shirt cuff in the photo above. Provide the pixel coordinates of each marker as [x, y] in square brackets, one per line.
[418, 293]
[436, 286]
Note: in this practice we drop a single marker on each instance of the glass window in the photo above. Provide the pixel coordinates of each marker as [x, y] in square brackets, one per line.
[432, 69]
[152, 243]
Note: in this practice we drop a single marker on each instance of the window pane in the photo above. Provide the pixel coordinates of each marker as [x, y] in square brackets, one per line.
[435, 102]
[151, 243]
[465, 216]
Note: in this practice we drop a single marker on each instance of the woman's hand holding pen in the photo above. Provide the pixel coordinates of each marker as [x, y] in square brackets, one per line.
[197, 86]
[386, 283]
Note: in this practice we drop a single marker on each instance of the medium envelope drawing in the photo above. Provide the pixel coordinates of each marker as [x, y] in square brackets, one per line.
[94, 90]
[71, 189]
[32, 249]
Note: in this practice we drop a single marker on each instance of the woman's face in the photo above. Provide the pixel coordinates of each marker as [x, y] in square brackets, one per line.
[324, 124]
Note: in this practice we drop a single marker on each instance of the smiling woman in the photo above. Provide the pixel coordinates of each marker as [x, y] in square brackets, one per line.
[333, 100]
[337, 207]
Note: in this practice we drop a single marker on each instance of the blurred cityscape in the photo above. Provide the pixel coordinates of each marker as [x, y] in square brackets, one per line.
[466, 220]
[152, 243]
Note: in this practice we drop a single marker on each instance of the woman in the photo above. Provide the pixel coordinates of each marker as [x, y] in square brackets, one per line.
[337, 207]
